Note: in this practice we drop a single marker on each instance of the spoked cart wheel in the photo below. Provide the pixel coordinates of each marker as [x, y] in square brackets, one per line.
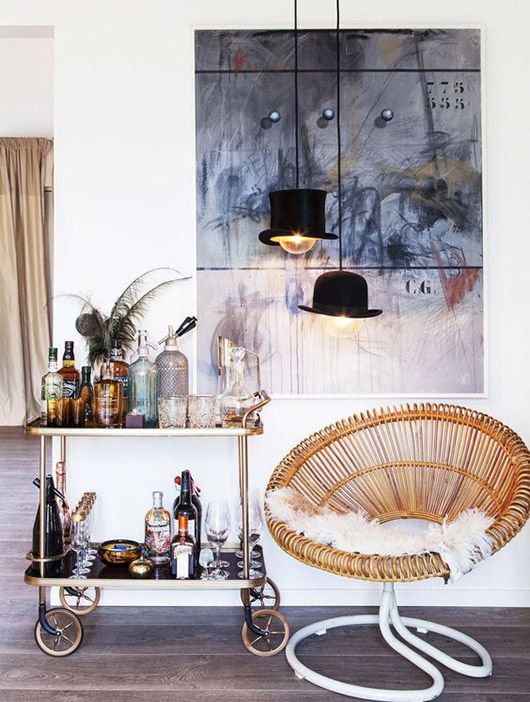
[275, 633]
[81, 600]
[266, 596]
[69, 633]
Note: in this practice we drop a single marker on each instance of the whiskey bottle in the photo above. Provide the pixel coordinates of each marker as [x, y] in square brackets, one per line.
[158, 531]
[183, 551]
[87, 394]
[69, 372]
[51, 391]
[108, 406]
[120, 372]
[64, 509]
[184, 505]
[196, 502]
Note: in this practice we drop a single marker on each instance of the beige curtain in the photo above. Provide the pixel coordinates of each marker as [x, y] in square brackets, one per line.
[25, 322]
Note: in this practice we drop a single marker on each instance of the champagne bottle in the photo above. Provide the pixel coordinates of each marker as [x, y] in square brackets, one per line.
[53, 531]
[184, 505]
[183, 551]
[64, 508]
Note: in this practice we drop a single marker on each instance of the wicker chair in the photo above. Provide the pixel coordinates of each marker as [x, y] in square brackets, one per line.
[427, 461]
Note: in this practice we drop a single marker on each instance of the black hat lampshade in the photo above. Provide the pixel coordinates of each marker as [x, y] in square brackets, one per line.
[341, 294]
[298, 212]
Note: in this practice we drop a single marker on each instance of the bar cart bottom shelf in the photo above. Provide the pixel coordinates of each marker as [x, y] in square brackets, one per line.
[59, 630]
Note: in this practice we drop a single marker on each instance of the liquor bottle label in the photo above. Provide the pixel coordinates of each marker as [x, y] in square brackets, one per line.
[70, 388]
[182, 554]
[158, 538]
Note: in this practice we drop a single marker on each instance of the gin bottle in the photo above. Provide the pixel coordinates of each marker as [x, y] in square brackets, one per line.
[158, 531]
[142, 383]
[51, 391]
[172, 368]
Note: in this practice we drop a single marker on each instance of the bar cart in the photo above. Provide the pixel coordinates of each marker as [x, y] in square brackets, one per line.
[59, 630]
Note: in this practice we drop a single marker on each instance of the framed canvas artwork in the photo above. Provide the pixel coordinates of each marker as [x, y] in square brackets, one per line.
[411, 207]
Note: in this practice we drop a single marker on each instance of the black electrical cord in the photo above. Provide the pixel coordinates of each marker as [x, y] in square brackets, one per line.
[296, 113]
[339, 149]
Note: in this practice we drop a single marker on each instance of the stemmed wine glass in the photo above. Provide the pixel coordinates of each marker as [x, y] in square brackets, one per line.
[78, 543]
[254, 534]
[217, 524]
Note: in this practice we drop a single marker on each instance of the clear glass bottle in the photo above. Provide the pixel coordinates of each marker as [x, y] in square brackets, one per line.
[172, 368]
[51, 391]
[236, 400]
[108, 407]
[142, 383]
[158, 531]
[69, 372]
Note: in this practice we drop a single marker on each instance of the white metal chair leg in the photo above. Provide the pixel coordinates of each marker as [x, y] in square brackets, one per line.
[388, 613]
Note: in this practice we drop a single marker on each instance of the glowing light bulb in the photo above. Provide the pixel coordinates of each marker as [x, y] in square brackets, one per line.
[295, 243]
[342, 327]
[343, 322]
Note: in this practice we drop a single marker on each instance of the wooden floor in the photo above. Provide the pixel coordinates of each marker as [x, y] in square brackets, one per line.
[195, 654]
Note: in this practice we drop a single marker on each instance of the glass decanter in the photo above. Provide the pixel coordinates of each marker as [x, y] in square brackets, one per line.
[235, 402]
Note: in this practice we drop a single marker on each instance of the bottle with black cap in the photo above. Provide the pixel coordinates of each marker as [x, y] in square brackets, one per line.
[184, 505]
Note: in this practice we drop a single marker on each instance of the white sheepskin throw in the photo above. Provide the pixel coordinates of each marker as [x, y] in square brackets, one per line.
[462, 543]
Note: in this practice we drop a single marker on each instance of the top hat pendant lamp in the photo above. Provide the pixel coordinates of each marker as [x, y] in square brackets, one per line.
[298, 216]
[340, 294]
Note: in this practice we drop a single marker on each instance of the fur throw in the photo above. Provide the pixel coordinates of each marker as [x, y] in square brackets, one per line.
[462, 543]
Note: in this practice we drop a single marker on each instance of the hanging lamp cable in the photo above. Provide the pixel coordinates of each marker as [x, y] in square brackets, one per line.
[296, 109]
[339, 148]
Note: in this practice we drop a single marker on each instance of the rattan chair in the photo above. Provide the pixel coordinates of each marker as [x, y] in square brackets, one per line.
[426, 461]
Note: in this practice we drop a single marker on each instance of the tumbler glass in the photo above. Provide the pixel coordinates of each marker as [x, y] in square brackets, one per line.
[172, 411]
[202, 411]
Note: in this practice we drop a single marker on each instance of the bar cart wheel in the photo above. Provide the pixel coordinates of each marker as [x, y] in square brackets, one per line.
[266, 596]
[80, 600]
[69, 633]
[275, 633]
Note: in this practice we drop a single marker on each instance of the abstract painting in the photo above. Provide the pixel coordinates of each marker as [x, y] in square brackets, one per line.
[411, 207]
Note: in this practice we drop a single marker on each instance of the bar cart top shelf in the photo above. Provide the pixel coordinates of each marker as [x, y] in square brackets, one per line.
[34, 428]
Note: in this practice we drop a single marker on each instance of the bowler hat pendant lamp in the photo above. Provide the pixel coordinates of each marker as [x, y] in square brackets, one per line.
[340, 294]
[298, 216]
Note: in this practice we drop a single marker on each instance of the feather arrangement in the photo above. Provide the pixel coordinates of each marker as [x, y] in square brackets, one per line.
[462, 543]
[100, 330]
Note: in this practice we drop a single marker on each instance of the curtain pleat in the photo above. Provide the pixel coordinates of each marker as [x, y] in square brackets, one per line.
[25, 279]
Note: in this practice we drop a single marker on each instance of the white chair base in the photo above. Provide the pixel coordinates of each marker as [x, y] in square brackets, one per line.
[389, 615]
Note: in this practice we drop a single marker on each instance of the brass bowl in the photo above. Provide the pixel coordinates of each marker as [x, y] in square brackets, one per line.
[119, 551]
[141, 568]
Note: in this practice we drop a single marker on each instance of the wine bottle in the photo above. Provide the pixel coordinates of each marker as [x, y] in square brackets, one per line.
[184, 505]
[195, 500]
[183, 551]
[53, 531]
[64, 508]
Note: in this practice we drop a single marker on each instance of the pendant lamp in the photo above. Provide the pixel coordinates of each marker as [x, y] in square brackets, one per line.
[298, 216]
[340, 294]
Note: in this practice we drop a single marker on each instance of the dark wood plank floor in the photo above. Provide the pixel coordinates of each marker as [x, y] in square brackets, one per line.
[195, 654]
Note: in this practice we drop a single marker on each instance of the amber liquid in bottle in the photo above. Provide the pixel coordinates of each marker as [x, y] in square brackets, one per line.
[69, 372]
[120, 372]
[108, 399]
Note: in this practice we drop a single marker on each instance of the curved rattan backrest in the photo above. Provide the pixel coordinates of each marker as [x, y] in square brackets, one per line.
[425, 461]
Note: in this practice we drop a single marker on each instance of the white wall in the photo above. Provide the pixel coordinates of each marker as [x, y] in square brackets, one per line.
[26, 83]
[124, 130]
